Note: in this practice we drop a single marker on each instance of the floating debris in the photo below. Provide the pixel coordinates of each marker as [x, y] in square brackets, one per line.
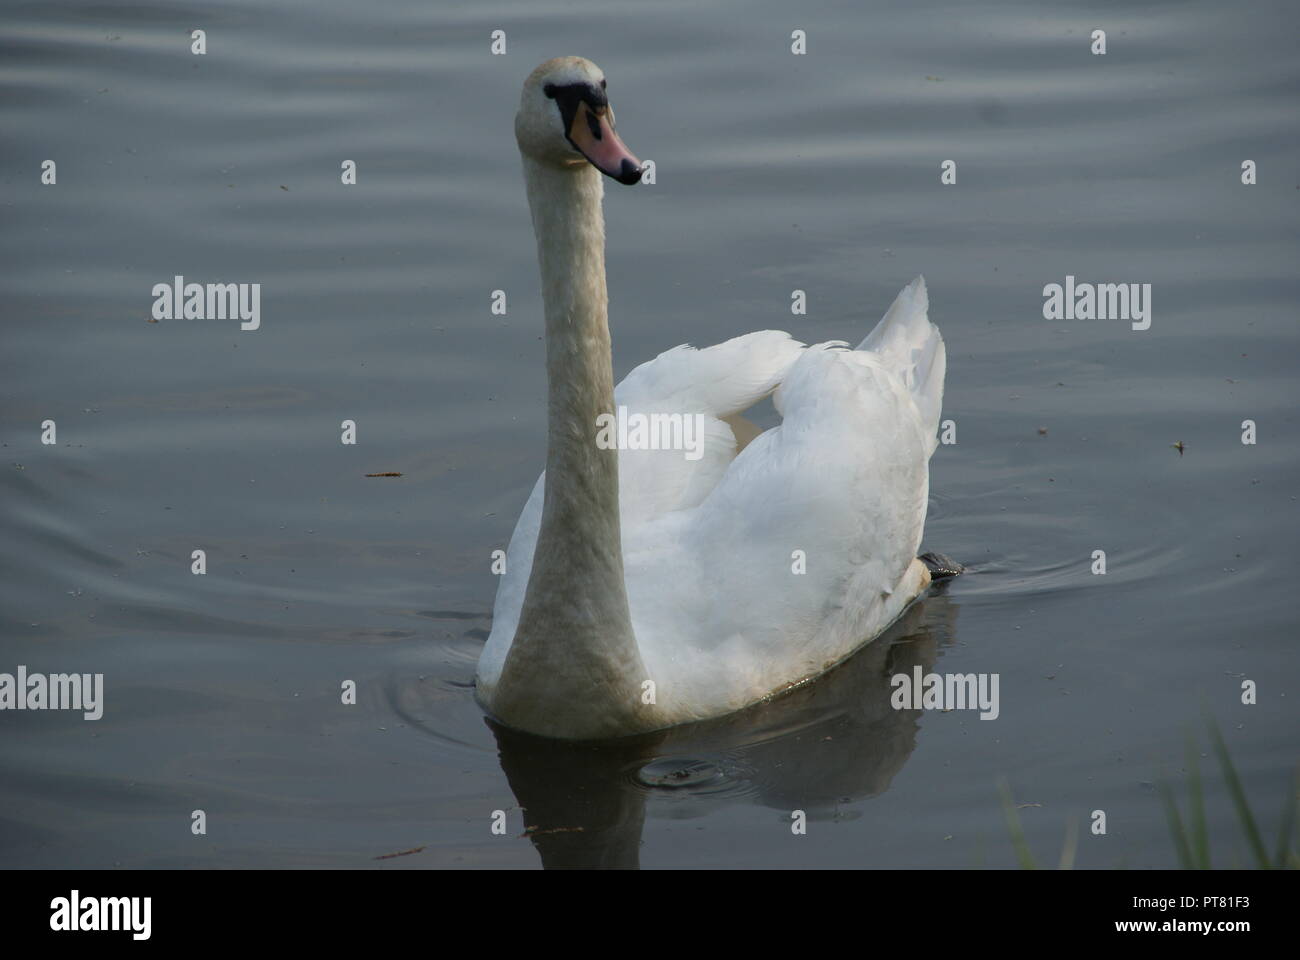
[389, 474]
[539, 832]
[401, 853]
[1178, 446]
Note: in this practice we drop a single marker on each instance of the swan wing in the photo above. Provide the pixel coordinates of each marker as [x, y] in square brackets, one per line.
[705, 386]
[806, 546]
[722, 380]
[713, 383]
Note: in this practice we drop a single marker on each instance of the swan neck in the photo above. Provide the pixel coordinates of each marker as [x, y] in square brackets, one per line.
[574, 626]
[566, 208]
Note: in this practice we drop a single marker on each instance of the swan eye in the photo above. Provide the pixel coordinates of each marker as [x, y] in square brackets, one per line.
[575, 92]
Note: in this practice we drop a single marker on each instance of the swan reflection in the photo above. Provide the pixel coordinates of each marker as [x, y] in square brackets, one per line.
[828, 743]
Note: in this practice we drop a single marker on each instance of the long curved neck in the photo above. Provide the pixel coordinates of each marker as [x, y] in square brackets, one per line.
[581, 480]
[573, 669]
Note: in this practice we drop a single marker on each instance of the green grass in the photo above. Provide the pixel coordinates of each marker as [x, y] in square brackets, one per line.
[1191, 835]
[1191, 838]
[1023, 853]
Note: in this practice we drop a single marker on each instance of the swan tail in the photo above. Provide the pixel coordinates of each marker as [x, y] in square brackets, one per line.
[909, 344]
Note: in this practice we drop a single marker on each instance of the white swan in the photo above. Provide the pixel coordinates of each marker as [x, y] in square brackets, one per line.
[644, 589]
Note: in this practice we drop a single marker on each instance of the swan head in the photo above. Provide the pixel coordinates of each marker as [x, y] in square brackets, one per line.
[565, 120]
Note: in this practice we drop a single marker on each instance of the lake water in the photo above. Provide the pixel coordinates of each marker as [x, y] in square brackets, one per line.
[819, 172]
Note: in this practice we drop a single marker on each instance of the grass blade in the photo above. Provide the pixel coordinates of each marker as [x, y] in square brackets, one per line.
[1288, 824]
[1175, 821]
[1200, 841]
[1238, 796]
[1023, 853]
[1070, 846]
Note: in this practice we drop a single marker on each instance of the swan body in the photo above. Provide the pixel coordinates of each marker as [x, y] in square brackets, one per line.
[643, 588]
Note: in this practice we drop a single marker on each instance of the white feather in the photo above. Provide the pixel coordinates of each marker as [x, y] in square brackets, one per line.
[709, 545]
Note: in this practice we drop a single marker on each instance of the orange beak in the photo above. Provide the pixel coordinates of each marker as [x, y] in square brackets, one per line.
[592, 133]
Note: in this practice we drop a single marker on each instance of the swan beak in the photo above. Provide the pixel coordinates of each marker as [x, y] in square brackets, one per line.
[593, 135]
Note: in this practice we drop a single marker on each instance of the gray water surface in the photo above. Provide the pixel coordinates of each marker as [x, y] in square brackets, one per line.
[774, 172]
